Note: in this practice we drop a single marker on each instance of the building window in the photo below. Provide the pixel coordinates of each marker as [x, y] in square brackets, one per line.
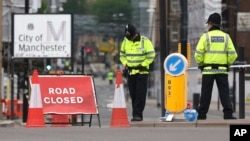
[175, 5]
[174, 34]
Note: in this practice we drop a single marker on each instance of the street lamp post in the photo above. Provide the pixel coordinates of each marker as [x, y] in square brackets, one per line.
[118, 19]
[164, 49]
[235, 43]
[151, 12]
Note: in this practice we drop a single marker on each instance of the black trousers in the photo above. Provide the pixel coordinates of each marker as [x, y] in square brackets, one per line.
[138, 84]
[206, 94]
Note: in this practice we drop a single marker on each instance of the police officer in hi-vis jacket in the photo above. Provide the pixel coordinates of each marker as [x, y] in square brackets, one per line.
[136, 54]
[214, 54]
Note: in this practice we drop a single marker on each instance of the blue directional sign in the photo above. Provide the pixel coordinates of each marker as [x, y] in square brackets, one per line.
[175, 64]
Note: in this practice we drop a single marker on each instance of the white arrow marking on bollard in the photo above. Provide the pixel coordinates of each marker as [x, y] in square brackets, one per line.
[172, 67]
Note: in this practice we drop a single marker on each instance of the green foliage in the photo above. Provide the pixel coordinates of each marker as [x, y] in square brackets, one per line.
[44, 8]
[113, 11]
[75, 7]
[106, 11]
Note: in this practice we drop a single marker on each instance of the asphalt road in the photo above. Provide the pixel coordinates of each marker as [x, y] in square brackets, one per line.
[105, 95]
[77, 133]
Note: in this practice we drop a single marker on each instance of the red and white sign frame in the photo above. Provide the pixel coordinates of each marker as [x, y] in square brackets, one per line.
[68, 94]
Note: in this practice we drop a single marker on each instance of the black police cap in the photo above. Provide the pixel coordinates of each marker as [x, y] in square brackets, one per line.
[130, 29]
[214, 19]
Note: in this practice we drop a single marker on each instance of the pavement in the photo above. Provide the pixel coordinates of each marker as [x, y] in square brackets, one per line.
[214, 119]
[152, 116]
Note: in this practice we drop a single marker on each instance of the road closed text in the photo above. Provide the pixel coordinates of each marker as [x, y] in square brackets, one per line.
[66, 94]
[62, 96]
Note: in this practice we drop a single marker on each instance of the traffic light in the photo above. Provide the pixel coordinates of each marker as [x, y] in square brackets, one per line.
[89, 55]
[88, 50]
[48, 64]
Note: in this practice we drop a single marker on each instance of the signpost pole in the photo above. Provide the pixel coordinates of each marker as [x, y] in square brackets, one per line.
[26, 73]
[175, 66]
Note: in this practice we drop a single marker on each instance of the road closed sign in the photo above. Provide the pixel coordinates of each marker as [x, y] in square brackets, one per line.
[68, 94]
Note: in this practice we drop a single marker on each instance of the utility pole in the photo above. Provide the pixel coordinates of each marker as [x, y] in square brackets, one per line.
[236, 2]
[184, 27]
[1, 56]
[164, 50]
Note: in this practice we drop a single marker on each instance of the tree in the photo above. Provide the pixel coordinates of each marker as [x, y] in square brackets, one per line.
[75, 7]
[113, 11]
[44, 8]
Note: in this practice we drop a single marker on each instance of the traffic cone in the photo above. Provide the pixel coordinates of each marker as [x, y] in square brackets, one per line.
[35, 113]
[60, 120]
[119, 116]
[189, 105]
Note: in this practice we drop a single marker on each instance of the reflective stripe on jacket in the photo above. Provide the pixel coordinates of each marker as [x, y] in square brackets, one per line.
[215, 52]
[137, 53]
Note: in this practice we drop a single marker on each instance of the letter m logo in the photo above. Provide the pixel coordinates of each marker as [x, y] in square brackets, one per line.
[56, 33]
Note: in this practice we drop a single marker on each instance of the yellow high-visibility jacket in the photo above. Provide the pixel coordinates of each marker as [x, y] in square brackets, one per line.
[215, 52]
[137, 53]
[110, 75]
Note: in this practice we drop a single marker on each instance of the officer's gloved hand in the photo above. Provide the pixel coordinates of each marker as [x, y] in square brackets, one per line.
[201, 67]
[141, 68]
[125, 71]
